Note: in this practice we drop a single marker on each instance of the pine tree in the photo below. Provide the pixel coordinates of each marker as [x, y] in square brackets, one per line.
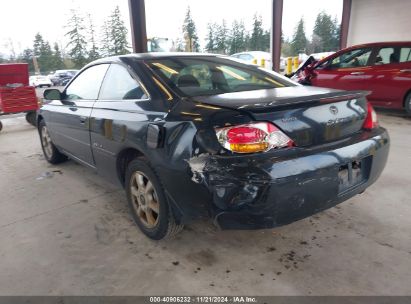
[337, 32]
[190, 33]
[237, 37]
[43, 53]
[118, 34]
[324, 33]
[299, 41]
[221, 38]
[27, 57]
[93, 52]
[37, 44]
[77, 41]
[57, 58]
[256, 38]
[105, 41]
[211, 36]
[265, 41]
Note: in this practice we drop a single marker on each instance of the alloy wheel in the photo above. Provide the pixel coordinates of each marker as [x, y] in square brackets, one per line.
[144, 199]
[46, 142]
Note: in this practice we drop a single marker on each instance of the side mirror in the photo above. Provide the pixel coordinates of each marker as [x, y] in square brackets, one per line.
[52, 94]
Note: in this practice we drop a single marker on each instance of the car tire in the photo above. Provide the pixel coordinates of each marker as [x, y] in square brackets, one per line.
[148, 203]
[51, 153]
[31, 118]
[1, 126]
[407, 104]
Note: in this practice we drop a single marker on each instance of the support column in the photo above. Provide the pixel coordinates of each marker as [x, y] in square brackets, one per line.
[276, 24]
[138, 25]
[345, 23]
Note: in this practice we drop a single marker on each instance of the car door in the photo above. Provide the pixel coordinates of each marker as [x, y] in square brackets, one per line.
[392, 76]
[70, 120]
[350, 70]
[123, 108]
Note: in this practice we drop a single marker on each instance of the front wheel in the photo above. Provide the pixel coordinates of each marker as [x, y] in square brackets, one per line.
[408, 104]
[149, 207]
[51, 153]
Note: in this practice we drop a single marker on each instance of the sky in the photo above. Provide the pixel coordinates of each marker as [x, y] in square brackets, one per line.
[20, 20]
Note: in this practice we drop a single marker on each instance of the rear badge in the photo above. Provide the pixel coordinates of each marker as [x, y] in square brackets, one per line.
[333, 110]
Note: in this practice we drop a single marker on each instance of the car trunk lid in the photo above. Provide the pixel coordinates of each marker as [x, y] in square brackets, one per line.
[308, 115]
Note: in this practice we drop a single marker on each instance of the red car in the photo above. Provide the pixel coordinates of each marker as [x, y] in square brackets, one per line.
[383, 68]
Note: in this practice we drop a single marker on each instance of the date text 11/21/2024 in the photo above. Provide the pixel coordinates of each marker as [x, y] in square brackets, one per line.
[203, 299]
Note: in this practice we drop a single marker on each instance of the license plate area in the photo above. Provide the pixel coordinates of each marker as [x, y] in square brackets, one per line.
[353, 174]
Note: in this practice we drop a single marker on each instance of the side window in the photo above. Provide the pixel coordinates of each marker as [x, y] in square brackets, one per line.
[120, 85]
[351, 59]
[405, 54]
[87, 84]
[386, 55]
[246, 57]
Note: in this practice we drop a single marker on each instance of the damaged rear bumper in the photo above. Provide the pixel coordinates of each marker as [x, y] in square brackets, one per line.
[266, 191]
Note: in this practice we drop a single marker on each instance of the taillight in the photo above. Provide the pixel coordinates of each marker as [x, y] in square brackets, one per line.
[371, 120]
[253, 137]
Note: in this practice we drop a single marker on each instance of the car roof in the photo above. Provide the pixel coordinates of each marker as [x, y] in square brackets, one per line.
[382, 43]
[365, 45]
[155, 55]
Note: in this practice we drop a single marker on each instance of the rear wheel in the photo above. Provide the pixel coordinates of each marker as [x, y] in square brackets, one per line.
[1, 126]
[51, 153]
[149, 207]
[31, 118]
[408, 104]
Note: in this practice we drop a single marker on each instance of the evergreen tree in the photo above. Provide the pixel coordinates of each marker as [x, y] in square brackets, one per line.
[27, 57]
[221, 38]
[265, 41]
[77, 41]
[179, 45]
[325, 33]
[105, 41]
[190, 33]
[237, 38]
[37, 44]
[57, 58]
[257, 32]
[337, 33]
[43, 53]
[299, 41]
[93, 52]
[211, 38]
[118, 34]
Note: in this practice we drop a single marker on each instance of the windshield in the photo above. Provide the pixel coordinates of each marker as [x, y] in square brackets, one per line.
[198, 76]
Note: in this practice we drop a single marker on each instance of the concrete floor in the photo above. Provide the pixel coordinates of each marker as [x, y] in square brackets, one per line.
[65, 231]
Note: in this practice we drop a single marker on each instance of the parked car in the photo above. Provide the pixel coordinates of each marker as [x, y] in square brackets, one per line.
[191, 136]
[62, 77]
[39, 81]
[319, 56]
[383, 68]
[257, 57]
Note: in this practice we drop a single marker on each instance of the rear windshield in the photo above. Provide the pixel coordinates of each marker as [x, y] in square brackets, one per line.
[199, 76]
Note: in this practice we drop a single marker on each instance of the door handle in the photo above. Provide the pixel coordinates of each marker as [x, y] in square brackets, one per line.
[405, 71]
[83, 119]
[357, 73]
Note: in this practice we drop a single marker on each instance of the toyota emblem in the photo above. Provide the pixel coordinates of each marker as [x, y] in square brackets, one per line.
[334, 110]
